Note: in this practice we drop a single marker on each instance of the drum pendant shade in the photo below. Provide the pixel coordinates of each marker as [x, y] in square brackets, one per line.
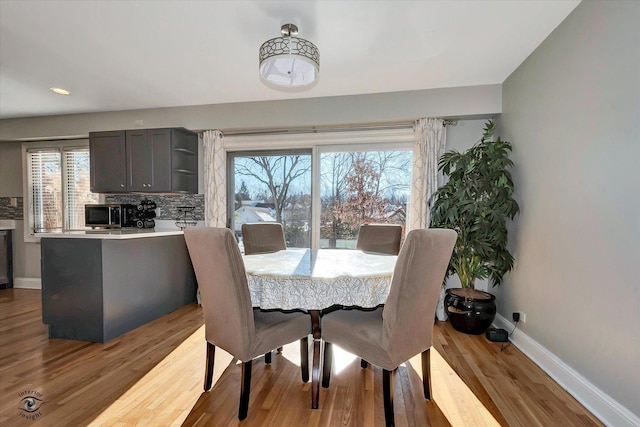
[289, 61]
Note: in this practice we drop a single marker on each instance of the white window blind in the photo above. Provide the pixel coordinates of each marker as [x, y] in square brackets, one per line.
[59, 186]
[46, 189]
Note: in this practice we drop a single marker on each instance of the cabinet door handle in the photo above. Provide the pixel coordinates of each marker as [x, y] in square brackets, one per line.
[122, 185]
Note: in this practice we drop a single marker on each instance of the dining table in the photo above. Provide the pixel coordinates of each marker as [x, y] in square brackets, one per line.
[314, 280]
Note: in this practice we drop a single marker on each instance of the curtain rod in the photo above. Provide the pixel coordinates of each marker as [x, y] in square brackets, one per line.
[327, 129]
[318, 129]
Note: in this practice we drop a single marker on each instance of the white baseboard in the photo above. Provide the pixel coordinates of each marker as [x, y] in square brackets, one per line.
[603, 406]
[27, 283]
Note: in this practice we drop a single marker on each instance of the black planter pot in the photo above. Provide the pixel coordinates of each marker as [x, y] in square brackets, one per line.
[470, 311]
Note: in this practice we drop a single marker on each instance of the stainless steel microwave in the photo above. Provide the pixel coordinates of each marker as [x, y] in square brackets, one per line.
[109, 216]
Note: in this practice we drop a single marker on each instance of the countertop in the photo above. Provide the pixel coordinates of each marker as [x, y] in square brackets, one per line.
[7, 224]
[112, 234]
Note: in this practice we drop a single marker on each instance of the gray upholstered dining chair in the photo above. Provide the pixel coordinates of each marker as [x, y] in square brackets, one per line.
[391, 335]
[230, 321]
[259, 237]
[381, 238]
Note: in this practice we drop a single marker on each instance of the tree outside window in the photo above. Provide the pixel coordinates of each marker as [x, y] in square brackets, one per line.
[362, 187]
[274, 188]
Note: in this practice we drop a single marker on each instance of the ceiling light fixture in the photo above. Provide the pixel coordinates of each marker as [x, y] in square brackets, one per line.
[288, 60]
[60, 91]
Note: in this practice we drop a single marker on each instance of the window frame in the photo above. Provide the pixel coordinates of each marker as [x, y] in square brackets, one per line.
[62, 146]
[401, 137]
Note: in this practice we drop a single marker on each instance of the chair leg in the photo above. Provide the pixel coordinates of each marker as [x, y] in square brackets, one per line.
[304, 358]
[245, 390]
[363, 363]
[426, 373]
[267, 356]
[208, 376]
[387, 388]
[327, 362]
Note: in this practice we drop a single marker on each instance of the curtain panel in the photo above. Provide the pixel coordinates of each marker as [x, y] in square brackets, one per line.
[215, 187]
[429, 145]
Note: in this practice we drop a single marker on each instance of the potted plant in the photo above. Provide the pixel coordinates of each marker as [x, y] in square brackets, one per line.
[476, 202]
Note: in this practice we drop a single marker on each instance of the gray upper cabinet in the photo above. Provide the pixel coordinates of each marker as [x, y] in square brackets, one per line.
[147, 161]
[108, 162]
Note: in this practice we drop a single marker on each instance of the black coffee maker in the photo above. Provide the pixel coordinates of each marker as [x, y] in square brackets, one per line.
[145, 212]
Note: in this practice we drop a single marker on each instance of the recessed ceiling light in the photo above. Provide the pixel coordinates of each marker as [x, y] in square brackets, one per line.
[60, 91]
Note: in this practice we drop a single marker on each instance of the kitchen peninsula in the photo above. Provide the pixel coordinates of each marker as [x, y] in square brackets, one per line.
[99, 284]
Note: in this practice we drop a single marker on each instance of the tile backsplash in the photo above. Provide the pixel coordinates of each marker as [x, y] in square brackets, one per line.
[167, 203]
[11, 208]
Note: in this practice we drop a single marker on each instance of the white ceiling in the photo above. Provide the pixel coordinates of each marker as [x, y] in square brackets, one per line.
[119, 55]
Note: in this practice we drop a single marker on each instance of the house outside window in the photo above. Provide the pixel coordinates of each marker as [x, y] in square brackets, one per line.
[58, 186]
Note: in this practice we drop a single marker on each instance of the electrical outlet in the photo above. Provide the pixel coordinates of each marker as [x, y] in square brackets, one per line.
[518, 316]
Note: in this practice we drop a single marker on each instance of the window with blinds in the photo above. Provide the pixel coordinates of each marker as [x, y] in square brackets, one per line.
[46, 189]
[59, 187]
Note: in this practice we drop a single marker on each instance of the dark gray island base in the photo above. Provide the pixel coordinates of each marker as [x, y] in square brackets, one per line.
[96, 289]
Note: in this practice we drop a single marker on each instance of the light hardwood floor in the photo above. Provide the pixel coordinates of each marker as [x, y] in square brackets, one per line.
[154, 376]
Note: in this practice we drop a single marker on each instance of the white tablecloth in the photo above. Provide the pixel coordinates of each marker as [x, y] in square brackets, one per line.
[316, 279]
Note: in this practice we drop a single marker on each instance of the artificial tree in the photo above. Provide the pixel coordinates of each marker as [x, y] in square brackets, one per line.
[476, 201]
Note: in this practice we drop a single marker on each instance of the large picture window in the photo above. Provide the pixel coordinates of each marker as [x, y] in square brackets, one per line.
[58, 187]
[320, 187]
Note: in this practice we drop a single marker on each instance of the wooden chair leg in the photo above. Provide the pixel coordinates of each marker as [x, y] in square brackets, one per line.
[304, 359]
[327, 362]
[363, 363]
[387, 389]
[426, 373]
[245, 390]
[267, 358]
[208, 376]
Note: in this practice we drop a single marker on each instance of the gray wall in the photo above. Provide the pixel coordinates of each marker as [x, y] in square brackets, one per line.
[464, 134]
[10, 169]
[374, 108]
[11, 186]
[572, 112]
